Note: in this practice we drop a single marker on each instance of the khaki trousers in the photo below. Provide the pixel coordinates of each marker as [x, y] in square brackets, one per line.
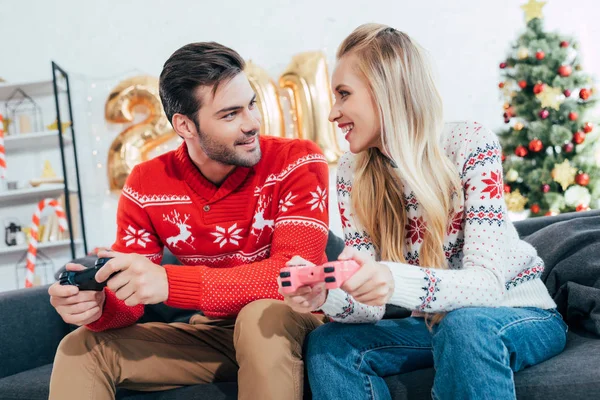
[262, 349]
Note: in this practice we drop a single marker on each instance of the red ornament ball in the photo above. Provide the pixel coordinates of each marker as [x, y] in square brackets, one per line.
[565, 70]
[545, 188]
[564, 43]
[540, 55]
[535, 208]
[579, 137]
[544, 114]
[501, 85]
[573, 116]
[503, 65]
[503, 157]
[522, 84]
[567, 93]
[536, 145]
[588, 127]
[584, 94]
[582, 207]
[582, 179]
[521, 151]
[538, 88]
[507, 188]
[569, 147]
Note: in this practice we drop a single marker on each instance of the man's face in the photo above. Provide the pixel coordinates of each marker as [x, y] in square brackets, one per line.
[229, 123]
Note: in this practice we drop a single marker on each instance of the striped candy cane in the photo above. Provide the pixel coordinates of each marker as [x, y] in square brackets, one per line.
[33, 241]
[2, 150]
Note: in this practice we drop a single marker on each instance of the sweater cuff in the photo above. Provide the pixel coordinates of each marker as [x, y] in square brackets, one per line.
[410, 285]
[109, 311]
[185, 286]
[336, 302]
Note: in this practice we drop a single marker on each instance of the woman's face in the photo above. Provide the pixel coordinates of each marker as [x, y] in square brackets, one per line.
[355, 110]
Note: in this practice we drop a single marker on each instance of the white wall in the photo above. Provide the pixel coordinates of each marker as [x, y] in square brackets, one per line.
[100, 43]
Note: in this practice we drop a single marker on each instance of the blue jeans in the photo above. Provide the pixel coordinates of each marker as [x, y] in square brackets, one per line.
[474, 351]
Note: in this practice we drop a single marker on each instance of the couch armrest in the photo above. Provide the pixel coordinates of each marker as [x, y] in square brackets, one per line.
[30, 330]
[528, 226]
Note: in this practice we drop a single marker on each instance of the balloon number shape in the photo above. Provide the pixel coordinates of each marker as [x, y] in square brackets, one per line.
[295, 107]
[299, 106]
[307, 81]
[132, 145]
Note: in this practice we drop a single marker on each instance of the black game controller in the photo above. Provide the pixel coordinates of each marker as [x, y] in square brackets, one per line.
[85, 279]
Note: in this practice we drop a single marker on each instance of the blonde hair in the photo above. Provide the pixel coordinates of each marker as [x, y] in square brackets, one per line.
[411, 116]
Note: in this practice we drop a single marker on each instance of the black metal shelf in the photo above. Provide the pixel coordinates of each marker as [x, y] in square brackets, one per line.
[57, 74]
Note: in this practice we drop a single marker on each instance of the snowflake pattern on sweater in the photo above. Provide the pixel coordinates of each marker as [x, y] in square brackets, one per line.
[488, 264]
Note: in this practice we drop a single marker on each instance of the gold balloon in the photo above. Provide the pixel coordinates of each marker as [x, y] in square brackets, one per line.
[267, 98]
[132, 146]
[307, 80]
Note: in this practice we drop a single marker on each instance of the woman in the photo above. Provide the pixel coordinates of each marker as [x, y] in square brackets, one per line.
[423, 213]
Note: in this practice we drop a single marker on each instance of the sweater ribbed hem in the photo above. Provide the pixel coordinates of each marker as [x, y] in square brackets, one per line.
[115, 314]
[532, 293]
[408, 285]
[185, 286]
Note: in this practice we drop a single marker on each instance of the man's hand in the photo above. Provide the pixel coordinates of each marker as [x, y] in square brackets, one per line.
[306, 298]
[77, 307]
[138, 280]
[372, 284]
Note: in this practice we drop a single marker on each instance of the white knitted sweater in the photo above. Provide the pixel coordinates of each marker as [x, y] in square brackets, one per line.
[488, 265]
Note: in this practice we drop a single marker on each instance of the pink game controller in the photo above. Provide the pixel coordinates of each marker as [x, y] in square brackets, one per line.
[334, 274]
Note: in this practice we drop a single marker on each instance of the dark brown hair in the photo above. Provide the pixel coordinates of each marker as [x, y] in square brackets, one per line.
[193, 66]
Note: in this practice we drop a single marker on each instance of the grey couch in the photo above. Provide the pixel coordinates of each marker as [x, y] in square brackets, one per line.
[30, 331]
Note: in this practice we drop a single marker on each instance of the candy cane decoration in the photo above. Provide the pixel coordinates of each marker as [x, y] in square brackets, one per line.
[2, 150]
[33, 241]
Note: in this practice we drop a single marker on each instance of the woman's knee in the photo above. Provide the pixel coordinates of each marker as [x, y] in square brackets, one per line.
[328, 340]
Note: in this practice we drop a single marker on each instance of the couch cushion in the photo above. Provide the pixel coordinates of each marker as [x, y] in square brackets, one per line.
[30, 385]
[30, 330]
[573, 374]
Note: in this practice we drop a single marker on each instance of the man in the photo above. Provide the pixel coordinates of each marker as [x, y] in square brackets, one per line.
[234, 208]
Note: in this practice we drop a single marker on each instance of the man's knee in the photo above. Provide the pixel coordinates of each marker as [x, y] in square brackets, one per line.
[271, 322]
[77, 343]
[266, 318]
[84, 345]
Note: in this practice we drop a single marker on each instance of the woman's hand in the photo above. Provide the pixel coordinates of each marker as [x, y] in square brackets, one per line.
[372, 284]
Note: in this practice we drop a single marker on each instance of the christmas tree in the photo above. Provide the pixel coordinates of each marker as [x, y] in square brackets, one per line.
[548, 159]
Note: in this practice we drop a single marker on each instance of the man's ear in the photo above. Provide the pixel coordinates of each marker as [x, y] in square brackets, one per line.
[184, 126]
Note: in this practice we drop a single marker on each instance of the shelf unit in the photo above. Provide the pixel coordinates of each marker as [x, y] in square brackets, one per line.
[32, 193]
[55, 95]
[41, 246]
[33, 141]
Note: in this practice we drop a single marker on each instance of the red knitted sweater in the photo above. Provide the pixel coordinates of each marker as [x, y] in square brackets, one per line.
[232, 239]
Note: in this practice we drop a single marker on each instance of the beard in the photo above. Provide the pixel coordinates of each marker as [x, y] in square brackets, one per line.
[227, 155]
